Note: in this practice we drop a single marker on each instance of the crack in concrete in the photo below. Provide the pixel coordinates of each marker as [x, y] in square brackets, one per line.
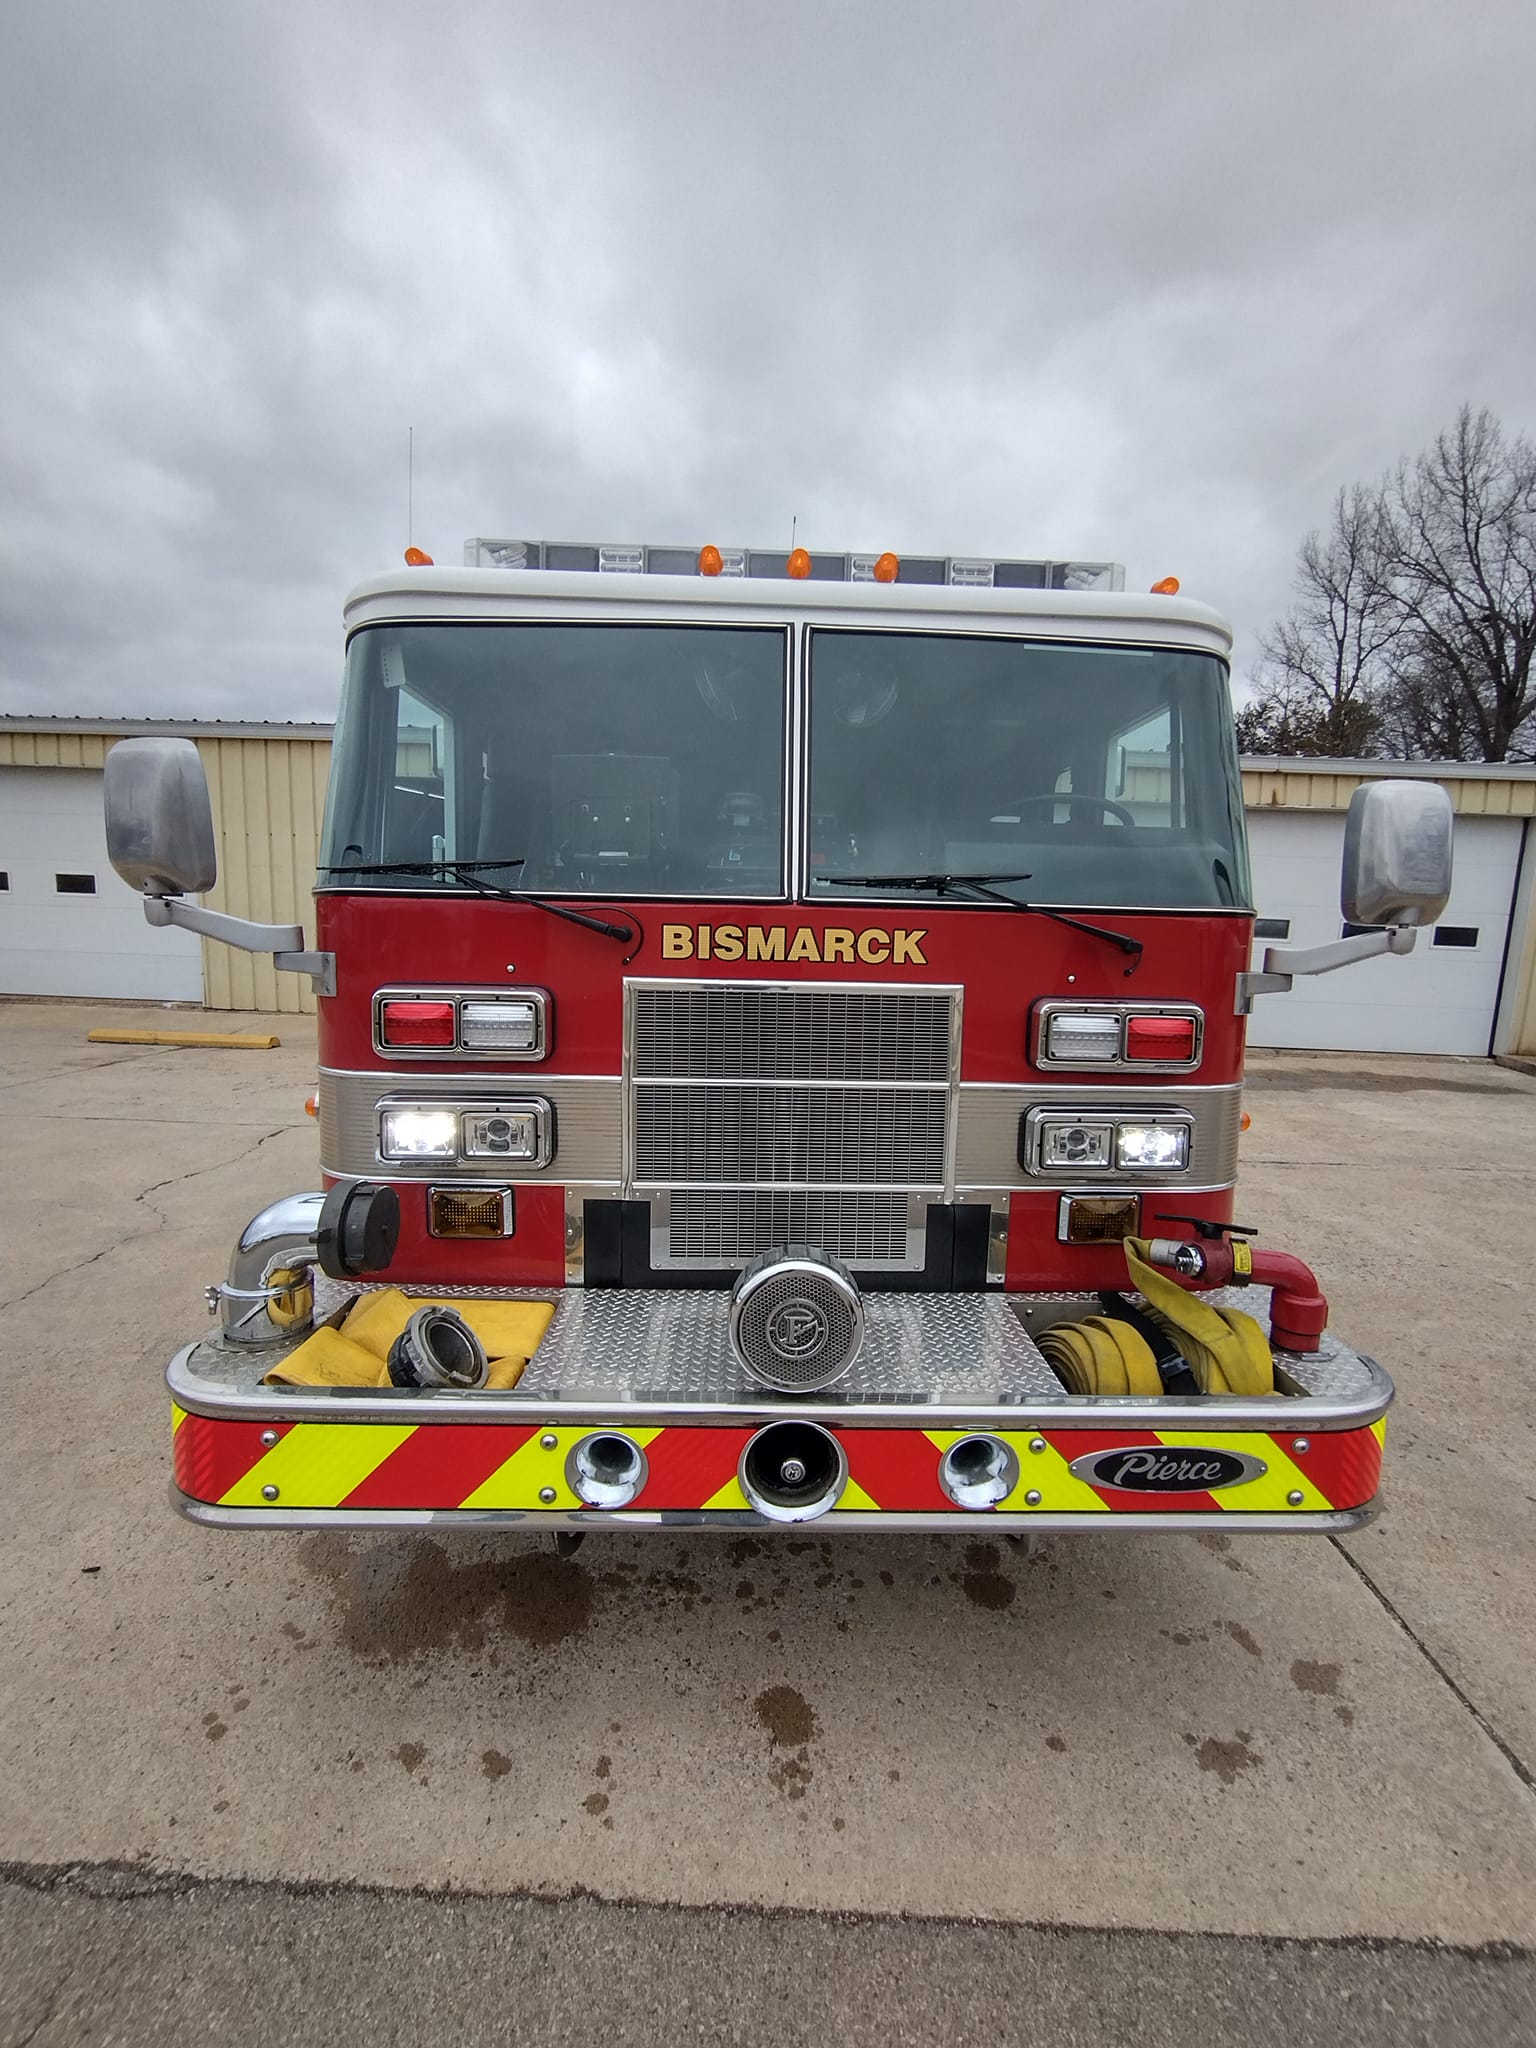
[51, 2003]
[1521, 1770]
[162, 1223]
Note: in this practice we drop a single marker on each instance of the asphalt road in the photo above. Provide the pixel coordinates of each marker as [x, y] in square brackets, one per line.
[260, 1787]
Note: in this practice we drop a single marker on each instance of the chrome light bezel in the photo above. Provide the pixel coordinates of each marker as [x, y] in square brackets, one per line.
[1040, 1031]
[538, 1106]
[543, 1010]
[1047, 1116]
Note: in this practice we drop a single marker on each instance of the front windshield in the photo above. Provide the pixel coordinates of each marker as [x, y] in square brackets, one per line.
[1101, 776]
[620, 760]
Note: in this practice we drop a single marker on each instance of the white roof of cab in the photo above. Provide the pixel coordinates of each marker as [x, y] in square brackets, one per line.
[481, 596]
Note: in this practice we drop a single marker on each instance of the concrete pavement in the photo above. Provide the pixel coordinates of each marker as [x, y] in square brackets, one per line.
[1204, 1737]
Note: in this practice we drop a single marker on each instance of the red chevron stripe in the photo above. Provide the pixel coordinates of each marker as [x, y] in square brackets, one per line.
[211, 1456]
[439, 1465]
[1343, 1464]
[898, 1469]
[689, 1466]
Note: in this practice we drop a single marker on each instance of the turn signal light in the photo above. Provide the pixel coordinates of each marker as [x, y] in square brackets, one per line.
[417, 1024]
[1160, 1038]
[798, 565]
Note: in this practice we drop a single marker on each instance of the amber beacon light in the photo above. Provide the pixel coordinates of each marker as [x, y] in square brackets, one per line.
[417, 558]
[1166, 586]
[798, 565]
[886, 568]
[711, 562]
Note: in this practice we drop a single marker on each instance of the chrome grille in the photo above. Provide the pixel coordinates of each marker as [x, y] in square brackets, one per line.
[763, 1116]
[713, 1031]
[756, 1135]
[727, 1227]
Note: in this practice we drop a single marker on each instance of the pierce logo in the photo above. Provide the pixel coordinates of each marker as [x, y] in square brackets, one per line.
[1165, 1468]
[836, 945]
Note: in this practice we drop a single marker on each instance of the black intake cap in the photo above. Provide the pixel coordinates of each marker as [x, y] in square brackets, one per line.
[359, 1229]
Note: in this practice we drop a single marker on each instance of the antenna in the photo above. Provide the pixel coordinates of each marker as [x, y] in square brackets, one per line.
[794, 522]
[410, 485]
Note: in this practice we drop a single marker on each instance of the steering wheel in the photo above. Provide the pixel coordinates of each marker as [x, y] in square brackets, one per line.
[1118, 812]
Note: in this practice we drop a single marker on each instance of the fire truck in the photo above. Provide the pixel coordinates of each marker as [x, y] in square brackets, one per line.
[781, 1028]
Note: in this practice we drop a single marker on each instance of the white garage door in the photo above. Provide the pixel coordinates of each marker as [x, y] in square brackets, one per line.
[1440, 998]
[68, 926]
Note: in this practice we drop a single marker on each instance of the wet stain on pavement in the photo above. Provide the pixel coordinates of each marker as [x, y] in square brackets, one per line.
[596, 1803]
[787, 1715]
[1227, 1759]
[1055, 1742]
[1319, 1679]
[982, 1582]
[792, 1725]
[214, 1728]
[1242, 1638]
[399, 1601]
[410, 1755]
[493, 1764]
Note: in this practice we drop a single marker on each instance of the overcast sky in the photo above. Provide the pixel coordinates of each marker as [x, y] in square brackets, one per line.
[1132, 280]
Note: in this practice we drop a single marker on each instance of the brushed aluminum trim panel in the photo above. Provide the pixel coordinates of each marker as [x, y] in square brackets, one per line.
[588, 1126]
[987, 1135]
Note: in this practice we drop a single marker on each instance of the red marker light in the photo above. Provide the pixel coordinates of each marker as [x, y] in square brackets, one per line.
[1159, 1038]
[798, 565]
[418, 1025]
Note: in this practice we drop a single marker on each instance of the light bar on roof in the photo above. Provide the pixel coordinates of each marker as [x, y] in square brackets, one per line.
[961, 572]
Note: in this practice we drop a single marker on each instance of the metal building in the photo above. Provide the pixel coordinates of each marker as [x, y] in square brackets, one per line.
[68, 926]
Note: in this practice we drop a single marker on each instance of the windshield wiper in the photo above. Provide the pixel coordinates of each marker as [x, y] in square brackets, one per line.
[984, 887]
[470, 874]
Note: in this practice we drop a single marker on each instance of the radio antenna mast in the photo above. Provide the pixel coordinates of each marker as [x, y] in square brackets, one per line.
[410, 485]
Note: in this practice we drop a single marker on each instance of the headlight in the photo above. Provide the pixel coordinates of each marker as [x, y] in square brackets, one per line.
[1157, 1148]
[1077, 1145]
[502, 1133]
[418, 1134]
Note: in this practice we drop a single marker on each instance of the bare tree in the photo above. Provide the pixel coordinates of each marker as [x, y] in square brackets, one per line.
[1461, 560]
[1414, 625]
[1325, 662]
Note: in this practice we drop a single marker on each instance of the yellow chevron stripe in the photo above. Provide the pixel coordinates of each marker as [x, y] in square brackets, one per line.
[1379, 1431]
[178, 1417]
[518, 1482]
[729, 1496]
[1265, 1495]
[854, 1497]
[1045, 1472]
[317, 1464]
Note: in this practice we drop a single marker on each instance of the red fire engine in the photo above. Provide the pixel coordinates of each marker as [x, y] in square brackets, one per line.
[781, 1034]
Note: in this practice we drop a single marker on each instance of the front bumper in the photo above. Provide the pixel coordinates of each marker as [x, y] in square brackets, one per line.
[655, 1366]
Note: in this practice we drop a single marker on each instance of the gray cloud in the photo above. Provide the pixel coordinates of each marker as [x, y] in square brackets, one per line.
[1110, 281]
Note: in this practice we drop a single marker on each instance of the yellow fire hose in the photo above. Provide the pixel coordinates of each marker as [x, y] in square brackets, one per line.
[1226, 1351]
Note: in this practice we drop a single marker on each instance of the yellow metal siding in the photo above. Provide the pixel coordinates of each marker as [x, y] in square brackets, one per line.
[1291, 789]
[268, 796]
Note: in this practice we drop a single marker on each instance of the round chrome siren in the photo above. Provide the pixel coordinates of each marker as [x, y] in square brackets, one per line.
[979, 1471]
[793, 1471]
[437, 1348]
[796, 1319]
[606, 1470]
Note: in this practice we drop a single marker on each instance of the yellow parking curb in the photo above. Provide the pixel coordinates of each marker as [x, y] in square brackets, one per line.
[225, 1041]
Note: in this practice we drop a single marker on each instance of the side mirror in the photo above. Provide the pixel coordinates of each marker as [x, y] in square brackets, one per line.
[1397, 854]
[159, 819]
